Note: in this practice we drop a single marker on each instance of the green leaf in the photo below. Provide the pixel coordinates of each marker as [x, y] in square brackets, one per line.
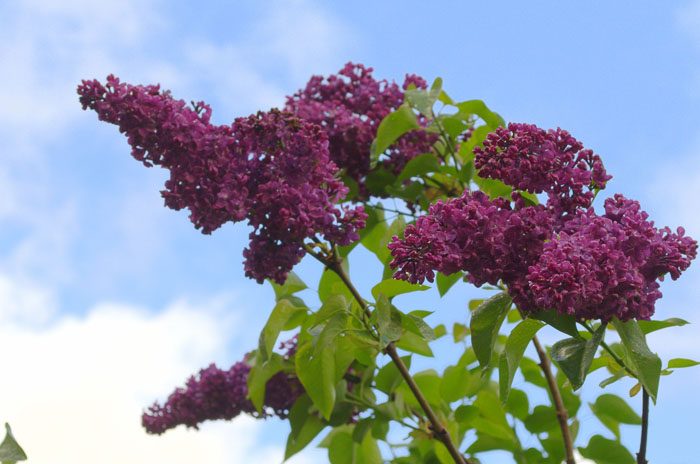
[575, 355]
[612, 411]
[421, 164]
[645, 364]
[652, 326]
[428, 382]
[393, 126]
[317, 375]
[492, 187]
[492, 418]
[518, 404]
[532, 372]
[259, 374]
[415, 344]
[485, 323]
[388, 321]
[604, 451]
[515, 348]
[389, 377]
[305, 426]
[676, 363]
[445, 282]
[343, 449]
[478, 107]
[459, 332]
[330, 285]
[543, 419]
[283, 311]
[455, 383]
[392, 287]
[10, 451]
[415, 324]
[292, 285]
[562, 322]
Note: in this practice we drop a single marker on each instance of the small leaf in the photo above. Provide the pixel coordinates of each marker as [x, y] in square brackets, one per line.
[421, 164]
[445, 282]
[392, 287]
[388, 321]
[317, 375]
[562, 322]
[485, 323]
[259, 374]
[292, 285]
[515, 348]
[518, 404]
[634, 391]
[575, 355]
[645, 364]
[612, 411]
[459, 332]
[283, 311]
[389, 377]
[543, 419]
[604, 451]
[10, 450]
[681, 362]
[305, 426]
[478, 107]
[415, 344]
[393, 126]
[652, 326]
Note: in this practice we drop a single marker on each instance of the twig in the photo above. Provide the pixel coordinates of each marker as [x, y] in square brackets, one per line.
[642, 455]
[562, 414]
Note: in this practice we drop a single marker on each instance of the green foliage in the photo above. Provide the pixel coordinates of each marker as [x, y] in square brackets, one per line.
[603, 451]
[486, 321]
[393, 126]
[518, 340]
[10, 451]
[645, 364]
[612, 411]
[575, 355]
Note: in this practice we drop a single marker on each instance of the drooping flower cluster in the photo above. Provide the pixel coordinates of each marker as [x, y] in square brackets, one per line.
[222, 394]
[560, 256]
[604, 266]
[537, 161]
[349, 106]
[272, 169]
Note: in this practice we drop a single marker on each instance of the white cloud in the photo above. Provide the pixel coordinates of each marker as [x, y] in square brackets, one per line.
[74, 390]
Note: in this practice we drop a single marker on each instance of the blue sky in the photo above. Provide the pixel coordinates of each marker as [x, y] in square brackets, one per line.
[107, 299]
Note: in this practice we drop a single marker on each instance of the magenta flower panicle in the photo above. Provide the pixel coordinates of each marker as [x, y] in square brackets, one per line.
[271, 169]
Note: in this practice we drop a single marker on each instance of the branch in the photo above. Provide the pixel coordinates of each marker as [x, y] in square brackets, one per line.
[438, 429]
[642, 455]
[562, 414]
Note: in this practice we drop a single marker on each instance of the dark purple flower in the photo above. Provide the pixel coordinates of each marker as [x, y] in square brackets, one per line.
[537, 161]
[272, 169]
[486, 239]
[217, 394]
[349, 106]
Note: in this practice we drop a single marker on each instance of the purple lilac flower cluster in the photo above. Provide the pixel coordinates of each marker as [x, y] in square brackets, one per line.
[272, 169]
[560, 256]
[537, 161]
[222, 394]
[349, 107]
